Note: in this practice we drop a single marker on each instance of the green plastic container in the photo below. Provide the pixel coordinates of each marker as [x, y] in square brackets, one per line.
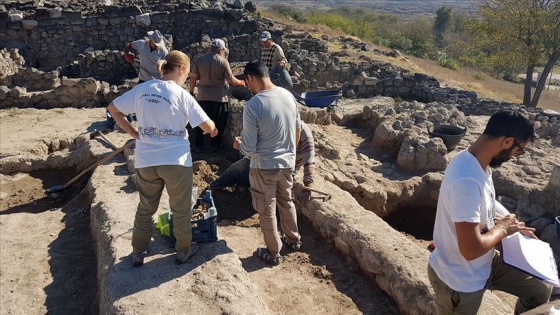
[162, 223]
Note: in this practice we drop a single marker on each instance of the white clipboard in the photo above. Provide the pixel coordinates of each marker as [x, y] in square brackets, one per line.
[532, 256]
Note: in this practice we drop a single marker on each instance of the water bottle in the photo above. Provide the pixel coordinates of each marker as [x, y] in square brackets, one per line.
[211, 208]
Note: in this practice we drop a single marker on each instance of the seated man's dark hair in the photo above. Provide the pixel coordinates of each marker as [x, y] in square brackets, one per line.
[257, 69]
[510, 123]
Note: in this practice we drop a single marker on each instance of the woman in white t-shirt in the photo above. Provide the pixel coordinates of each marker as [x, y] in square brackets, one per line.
[162, 155]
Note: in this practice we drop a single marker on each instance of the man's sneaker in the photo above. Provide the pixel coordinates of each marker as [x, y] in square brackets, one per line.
[294, 246]
[138, 258]
[267, 256]
[184, 257]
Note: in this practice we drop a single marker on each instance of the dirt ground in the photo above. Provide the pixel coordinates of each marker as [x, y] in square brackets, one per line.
[47, 261]
[46, 250]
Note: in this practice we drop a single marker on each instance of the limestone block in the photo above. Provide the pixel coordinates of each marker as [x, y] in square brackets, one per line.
[143, 19]
[17, 91]
[235, 14]
[69, 82]
[116, 20]
[15, 15]
[387, 140]
[55, 13]
[90, 22]
[4, 92]
[91, 85]
[14, 26]
[554, 180]
[29, 24]
[358, 80]
[371, 81]
[556, 140]
[420, 155]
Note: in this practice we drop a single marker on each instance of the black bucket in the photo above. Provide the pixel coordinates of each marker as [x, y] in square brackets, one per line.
[451, 135]
[240, 92]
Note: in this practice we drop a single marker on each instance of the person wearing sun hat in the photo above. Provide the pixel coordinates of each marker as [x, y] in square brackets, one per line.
[213, 73]
[273, 57]
[150, 50]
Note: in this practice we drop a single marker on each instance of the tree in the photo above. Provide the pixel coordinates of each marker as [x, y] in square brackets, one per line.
[442, 23]
[521, 30]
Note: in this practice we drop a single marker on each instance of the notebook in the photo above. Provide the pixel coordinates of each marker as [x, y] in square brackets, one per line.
[532, 256]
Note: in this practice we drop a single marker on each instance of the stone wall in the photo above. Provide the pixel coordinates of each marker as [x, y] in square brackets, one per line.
[92, 46]
[52, 37]
[10, 62]
[546, 123]
[107, 65]
[35, 80]
[77, 93]
[318, 70]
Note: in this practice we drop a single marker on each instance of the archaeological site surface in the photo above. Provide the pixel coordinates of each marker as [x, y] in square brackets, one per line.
[364, 250]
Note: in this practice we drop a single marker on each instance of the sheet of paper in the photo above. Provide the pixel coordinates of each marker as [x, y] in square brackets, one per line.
[532, 256]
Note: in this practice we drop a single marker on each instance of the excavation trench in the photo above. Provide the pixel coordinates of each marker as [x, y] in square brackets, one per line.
[73, 257]
[46, 245]
[342, 267]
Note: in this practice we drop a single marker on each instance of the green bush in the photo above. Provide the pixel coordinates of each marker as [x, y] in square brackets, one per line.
[339, 22]
[290, 13]
[447, 62]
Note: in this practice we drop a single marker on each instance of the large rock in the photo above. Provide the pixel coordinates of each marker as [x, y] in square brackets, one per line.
[421, 155]
[387, 140]
[143, 20]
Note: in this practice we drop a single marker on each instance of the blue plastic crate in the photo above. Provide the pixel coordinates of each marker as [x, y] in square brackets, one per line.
[205, 230]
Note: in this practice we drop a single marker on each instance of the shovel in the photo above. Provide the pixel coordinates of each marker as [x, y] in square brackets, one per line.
[53, 191]
[326, 197]
[101, 133]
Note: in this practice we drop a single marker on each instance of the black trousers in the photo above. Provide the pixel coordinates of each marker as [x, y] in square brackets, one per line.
[218, 112]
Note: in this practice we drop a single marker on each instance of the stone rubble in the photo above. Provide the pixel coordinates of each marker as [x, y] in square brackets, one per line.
[394, 163]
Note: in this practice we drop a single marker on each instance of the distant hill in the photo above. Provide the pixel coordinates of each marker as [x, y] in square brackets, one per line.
[411, 8]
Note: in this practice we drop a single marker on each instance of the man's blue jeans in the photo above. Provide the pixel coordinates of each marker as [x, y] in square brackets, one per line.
[280, 77]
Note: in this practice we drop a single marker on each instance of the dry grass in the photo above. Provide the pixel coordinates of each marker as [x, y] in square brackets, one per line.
[465, 79]
[484, 85]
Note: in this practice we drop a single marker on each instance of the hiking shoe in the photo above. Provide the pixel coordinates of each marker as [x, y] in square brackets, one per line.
[267, 256]
[294, 246]
[138, 258]
[184, 257]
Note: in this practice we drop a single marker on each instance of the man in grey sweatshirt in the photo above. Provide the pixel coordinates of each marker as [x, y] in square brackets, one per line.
[271, 130]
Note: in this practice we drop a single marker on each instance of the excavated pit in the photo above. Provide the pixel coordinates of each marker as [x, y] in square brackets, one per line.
[415, 221]
[50, 237]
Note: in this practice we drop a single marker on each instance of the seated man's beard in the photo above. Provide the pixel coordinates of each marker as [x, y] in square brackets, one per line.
[504, 156]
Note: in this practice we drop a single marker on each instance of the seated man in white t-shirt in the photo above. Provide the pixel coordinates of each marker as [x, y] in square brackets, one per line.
[470, 222]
